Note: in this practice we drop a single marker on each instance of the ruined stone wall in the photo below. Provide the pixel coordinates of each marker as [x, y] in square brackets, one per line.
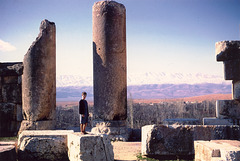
[147, 114]
[10, 98]
[143, 114]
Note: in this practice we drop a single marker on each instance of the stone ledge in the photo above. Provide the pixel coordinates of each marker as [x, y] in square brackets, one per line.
[182, 121]
[7, 151]
[179, 139]
[217, 150]
[217, 121]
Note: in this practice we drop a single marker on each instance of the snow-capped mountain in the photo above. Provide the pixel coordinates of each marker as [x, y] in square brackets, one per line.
[74, 80]
[145, 78]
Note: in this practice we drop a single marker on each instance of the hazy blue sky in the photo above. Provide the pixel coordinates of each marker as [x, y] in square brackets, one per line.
[168, 36]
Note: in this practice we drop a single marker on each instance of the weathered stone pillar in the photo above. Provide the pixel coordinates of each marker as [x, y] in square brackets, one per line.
[39, 80]
[109, 63]
[229, 53]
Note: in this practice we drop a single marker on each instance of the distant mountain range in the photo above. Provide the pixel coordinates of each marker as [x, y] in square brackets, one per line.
[145, 78]
[148, 86]
[150, 91]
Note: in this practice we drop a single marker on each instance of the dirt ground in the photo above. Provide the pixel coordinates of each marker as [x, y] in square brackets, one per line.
[126, 150]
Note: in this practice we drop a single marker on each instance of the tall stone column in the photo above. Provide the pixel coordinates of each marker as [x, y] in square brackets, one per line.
[109, 63]
[39, 80]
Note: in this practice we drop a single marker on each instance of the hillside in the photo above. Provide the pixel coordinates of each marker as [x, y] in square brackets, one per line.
[210, 97]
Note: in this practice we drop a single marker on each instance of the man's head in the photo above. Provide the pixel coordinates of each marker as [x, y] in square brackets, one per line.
[84, 95]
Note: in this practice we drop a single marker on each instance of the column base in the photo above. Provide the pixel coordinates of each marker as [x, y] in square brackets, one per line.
[116, 130]
[37, 125]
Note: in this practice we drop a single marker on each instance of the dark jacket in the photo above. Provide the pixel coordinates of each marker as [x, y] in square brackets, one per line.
[81, 107]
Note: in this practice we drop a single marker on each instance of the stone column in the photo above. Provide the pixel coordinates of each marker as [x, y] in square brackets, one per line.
[109, 63]
[39, 80]
[229, 53]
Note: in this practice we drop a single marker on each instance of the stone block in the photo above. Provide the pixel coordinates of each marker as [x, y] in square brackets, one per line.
[119, 123]
[217, 150]
[11, 69]
[12, 93]
[217, 121]
[43, 145]
[7, 111]
[236, 89]
[19, 79]
[158, 140]
[232, 69]
[7, 151]
[89, 147]
[116, 130]
[0, 82]
[19, 112]
[1, 99]
[8, 120]
[182, 121]
[37, 125]
[10, 80]
[228, 109]
[227, 50]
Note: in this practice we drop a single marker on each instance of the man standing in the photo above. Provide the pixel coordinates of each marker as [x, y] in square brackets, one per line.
[83, 111]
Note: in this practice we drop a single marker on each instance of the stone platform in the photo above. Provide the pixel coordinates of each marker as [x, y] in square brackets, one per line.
[215, 150]
[43, 145]
[178, 140]
[217, 121]
[182, 121]
[7, 151]
[63, 145]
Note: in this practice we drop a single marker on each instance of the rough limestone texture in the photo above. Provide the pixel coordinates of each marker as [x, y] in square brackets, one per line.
[182, 121]
[10, 98]
[228, 109]
[175, 140]
[216, 150]
[37, 125]
[7, 151]
[89, 147]
[227, 50]
[236, 90]
[232, 70]
[116, 130]
[109, 61]
[39, 76]
[216, 121]
[229, 53]
[43, 145]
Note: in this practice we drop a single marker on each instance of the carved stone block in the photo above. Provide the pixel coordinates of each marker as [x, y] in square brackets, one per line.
[227, 50]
